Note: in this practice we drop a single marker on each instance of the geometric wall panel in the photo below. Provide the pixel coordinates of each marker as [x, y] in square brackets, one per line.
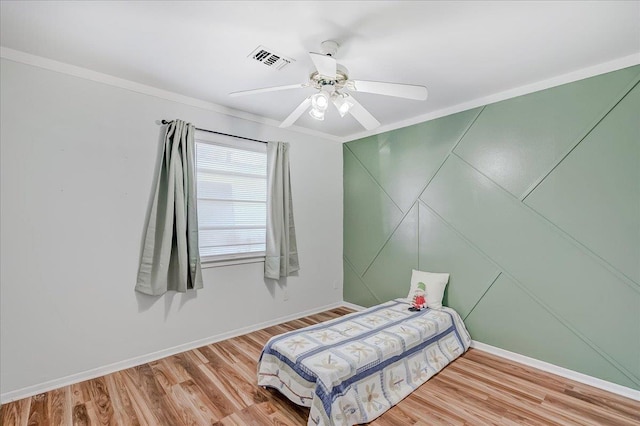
[507, 318]
[442, 250]
[552, 276]
[389, 276]
[607, 162]
[402, 161]
[369, 214]
[355, 291]
[559, 273]
[515, 141]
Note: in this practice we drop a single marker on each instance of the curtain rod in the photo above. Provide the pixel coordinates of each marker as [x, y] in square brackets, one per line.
[220, 133]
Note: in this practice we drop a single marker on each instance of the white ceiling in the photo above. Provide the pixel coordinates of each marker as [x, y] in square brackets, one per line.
[461, 51]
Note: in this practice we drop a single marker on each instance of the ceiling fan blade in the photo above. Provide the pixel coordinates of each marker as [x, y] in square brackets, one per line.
[365, 118]
[268, 89]
[325, 64]
[408, 91]
[296, 113]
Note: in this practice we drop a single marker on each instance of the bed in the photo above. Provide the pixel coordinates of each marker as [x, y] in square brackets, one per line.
[352, 369]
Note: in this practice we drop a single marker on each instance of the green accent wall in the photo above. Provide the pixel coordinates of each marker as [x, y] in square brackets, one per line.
[531, 204]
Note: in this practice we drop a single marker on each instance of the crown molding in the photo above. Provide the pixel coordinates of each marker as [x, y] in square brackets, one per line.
[87, 74]
[581, 74]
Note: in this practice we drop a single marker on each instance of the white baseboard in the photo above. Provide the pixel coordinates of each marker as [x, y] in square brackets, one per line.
[143, 359]
[559, 371]
[353, 306]
[545, 366]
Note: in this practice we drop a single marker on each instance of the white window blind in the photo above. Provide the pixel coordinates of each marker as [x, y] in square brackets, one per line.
[232, 199]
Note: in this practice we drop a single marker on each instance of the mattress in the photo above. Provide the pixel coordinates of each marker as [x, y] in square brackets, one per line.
[352, 369]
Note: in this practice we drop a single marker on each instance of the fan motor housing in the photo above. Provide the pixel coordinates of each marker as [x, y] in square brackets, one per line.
[319, 81]
[329, 47]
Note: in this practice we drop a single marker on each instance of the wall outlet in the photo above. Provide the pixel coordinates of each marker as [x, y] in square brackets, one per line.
[285, 294]
[335, 284]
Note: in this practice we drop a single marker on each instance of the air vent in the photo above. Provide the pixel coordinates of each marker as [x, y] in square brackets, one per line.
[270, 58]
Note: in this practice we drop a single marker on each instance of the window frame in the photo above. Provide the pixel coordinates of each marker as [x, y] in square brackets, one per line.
[229, 141]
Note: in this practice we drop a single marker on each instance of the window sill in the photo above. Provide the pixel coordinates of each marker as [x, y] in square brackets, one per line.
[212, 262]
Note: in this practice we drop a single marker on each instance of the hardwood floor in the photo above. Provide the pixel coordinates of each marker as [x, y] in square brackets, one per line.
[215, 385]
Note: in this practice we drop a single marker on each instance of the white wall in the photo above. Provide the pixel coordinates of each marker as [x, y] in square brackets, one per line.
[78, 159]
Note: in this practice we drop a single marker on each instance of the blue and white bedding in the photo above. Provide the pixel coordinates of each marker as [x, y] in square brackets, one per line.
[352, 369]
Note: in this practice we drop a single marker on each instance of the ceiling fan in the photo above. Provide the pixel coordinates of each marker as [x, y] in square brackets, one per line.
[334, 86]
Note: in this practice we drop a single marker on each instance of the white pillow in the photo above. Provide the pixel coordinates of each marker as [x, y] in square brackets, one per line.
[435, 284]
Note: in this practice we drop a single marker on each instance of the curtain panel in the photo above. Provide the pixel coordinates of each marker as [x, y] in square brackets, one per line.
[281, 257]
[170, 259]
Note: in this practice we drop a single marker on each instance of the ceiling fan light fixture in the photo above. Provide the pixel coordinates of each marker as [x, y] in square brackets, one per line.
[317, 114]
[320, 102]
[343, 104]
[333, 85]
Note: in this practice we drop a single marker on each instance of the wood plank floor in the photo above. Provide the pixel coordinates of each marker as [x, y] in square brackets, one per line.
[216, 385]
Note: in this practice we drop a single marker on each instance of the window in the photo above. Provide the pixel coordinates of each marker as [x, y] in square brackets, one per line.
[232, 197]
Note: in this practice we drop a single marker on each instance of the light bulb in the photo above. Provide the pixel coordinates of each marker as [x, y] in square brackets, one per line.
[320, 101]
[343, 104]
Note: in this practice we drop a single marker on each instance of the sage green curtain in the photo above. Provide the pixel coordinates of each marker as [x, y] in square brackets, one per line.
[170, 258]
[281, 249]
